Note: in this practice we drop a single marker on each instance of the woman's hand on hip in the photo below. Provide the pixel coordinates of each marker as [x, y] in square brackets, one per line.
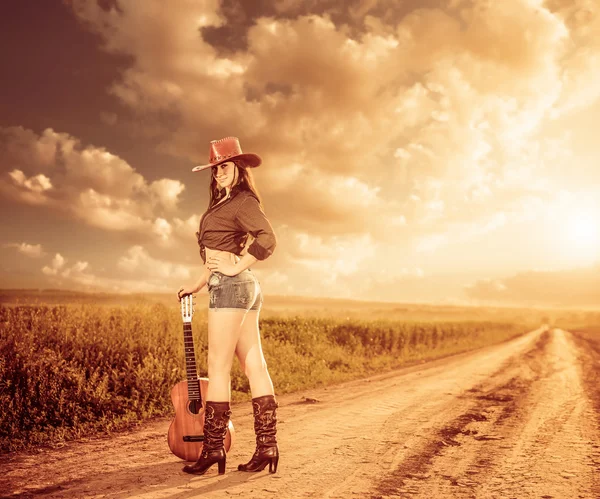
[222, 264]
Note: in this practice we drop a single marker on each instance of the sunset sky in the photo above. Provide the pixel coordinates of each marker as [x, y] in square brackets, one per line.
[413, 151]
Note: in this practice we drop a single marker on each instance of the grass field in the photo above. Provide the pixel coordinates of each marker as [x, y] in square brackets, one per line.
[74, 364]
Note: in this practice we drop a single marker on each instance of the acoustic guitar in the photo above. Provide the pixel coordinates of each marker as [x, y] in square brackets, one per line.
[185, 435]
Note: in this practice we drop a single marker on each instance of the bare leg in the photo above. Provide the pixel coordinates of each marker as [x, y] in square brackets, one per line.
[224, 327]
[264, 405]
[250, 354]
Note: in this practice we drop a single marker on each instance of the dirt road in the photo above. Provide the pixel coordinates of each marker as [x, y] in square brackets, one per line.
[514, 420]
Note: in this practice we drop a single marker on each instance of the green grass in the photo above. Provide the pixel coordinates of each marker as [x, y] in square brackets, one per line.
[70, 371]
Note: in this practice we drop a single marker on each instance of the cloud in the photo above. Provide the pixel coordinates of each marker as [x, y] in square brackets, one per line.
[565, 288]
[31, 250]
[337, 255]
[75, 271]
[186, 229]
[58, 262]
[138, 261]
[37, 184]
[458, 232]
[32, 189]
[581, 61]
[456, 89]
[327, 203]
[87, 183]
[137, 272]
[163, 229]
[166, 192]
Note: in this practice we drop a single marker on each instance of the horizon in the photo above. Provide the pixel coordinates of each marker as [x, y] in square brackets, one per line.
[322, 299]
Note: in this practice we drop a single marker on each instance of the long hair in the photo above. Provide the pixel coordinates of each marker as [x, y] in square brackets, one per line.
[244, 182]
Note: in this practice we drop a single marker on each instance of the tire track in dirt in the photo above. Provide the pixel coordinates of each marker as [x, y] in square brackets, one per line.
[533, 436]
[429, 425]
[415, 406]
[491, 402]
[589, 358]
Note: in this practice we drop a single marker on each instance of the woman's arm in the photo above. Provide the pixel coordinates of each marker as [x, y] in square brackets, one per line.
[245, 262]
[252, 219]
[201, 282]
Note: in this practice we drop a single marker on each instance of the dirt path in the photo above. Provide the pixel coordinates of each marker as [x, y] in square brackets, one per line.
[508, 421]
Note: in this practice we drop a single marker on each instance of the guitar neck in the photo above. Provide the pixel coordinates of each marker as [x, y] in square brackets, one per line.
[190, 363]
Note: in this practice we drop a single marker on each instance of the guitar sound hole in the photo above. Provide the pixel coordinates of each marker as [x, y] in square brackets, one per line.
[195, 406]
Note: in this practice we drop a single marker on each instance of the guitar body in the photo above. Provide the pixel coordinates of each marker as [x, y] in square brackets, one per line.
[186, 429]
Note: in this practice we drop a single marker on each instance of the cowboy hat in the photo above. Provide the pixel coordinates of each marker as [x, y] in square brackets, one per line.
[228, 149]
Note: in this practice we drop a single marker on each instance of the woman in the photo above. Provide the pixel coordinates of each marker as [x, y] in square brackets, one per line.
[235, 213]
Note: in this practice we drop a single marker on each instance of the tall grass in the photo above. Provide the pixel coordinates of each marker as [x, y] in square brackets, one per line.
[73, 370]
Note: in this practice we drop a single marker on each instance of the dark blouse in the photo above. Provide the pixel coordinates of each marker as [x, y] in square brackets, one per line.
[226, 226]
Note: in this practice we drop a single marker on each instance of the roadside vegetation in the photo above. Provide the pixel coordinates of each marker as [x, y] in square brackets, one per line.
[75, 370]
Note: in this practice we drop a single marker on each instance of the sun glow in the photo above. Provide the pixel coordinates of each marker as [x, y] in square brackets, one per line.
[580, 237]
[583, 231]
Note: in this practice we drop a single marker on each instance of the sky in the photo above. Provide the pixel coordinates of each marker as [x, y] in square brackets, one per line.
[413, 151]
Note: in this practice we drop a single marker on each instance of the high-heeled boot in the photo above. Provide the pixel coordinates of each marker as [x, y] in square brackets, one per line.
[265, 428]
[216, 421]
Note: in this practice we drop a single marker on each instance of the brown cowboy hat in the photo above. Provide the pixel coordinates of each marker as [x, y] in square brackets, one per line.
[228, 149]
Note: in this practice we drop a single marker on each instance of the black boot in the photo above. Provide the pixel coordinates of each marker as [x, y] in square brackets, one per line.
[216, 421]
[265, 427]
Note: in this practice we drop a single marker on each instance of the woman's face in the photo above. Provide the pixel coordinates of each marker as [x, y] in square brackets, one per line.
[224, 174]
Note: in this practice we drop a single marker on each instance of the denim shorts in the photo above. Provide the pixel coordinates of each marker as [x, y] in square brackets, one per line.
[240, 291]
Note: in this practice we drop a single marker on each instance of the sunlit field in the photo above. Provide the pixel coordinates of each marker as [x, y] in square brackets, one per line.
[73, 365]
